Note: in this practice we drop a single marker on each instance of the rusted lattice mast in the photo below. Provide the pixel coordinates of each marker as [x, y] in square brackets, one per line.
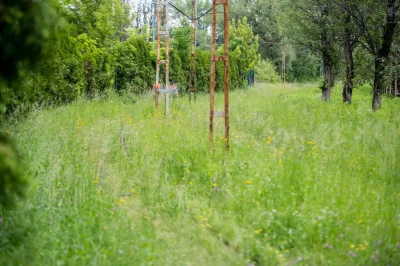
[162, 31]
[193, 73]
[214, 59]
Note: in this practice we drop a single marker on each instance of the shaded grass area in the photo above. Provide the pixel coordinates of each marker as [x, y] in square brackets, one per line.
[114, 183]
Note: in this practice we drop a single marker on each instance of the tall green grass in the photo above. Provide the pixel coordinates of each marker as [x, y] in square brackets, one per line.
[305, 183]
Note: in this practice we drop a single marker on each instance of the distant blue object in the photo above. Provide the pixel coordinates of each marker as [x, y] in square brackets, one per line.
[163, 90]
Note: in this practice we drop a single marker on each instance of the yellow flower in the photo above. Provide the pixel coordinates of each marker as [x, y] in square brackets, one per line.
[95, 181]
[190, 182]
[214, 184]
[247, 182]
[132, 190]
[258, 231]
[352, 246]
[360, 221]
[310, 142]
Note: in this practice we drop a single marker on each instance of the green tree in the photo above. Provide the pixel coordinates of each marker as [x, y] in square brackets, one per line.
[24, 27]
[244, 45]
[311, 24]
[378, 24]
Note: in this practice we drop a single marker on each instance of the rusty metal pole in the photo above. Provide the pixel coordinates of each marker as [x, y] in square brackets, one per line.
[226, 72]
[214, 59]
[158, 54]
[212, 71]
[166, 59]
[162, 10]
[193, 39]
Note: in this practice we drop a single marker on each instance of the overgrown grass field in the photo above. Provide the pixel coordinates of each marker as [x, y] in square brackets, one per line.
[305, 183]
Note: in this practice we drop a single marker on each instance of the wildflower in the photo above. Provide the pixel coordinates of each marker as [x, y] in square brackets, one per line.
[132, 190]
[96, 180]
[299, 259]
[269, 140]
[328, 246]
[247, 182]
[378, 243]
[190, 182]
[352, 246]
[258, 231]
[214, 184]
[360, 221]
[361, 247]
[208, 225]
[373, 257]
[310, 142]
[351, 253]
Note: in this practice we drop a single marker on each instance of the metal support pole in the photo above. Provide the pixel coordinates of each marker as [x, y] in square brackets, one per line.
[158, 54]
[214, 59]
[226, 73]
[193, 39]
[212, 73]
[166, 59]
[162, 10]
[154, 18]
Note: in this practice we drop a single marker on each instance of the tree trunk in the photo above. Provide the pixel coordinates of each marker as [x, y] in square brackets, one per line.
[383, 53]
[378, 84]
[328, 76]
[327, 58]
[349, 61]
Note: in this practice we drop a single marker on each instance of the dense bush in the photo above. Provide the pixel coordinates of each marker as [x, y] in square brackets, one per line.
[265, 71]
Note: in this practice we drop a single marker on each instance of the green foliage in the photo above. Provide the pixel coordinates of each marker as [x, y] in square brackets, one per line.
[134, 66]
[265, 72]
[305, 67]
[244, 45]
[24, 27]
[12, 183]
